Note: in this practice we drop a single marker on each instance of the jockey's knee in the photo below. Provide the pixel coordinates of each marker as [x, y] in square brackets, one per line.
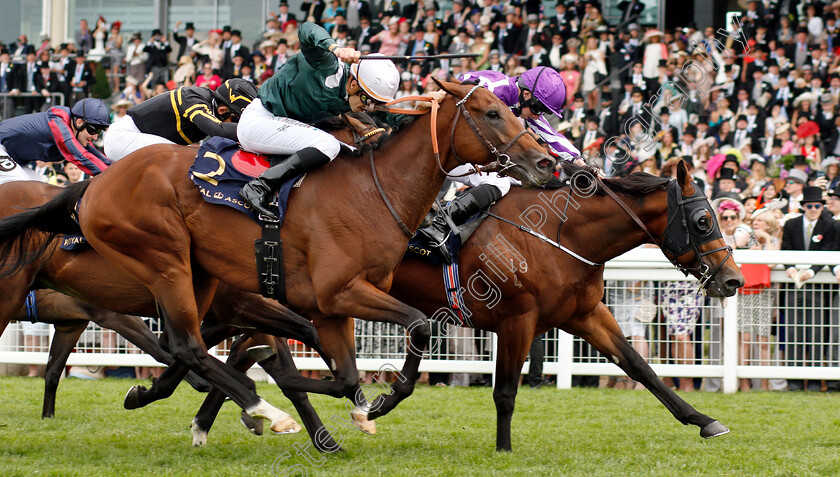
[329, 146]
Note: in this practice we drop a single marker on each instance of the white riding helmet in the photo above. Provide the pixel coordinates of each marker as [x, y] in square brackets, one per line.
[378, 78]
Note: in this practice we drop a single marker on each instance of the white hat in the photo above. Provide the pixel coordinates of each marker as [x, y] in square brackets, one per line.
[379, 78]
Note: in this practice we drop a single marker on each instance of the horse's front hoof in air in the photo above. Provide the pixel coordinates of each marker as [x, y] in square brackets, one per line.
[132, 397]
[713, 429]
[285, 426]
[360, 419]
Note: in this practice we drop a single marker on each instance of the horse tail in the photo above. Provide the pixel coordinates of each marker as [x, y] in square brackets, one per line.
[19, 232]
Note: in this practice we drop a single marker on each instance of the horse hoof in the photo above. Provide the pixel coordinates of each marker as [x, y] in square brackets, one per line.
[286, 426]
[199, 435]
[260, 352]
[713, 429]
[132, 397]
[255, 426]
[360, 420]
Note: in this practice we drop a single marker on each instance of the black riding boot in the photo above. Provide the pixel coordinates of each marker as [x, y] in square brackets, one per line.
[259, 191]
[459, 211]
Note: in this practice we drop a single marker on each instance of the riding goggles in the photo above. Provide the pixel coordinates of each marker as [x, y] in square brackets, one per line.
[93, 128]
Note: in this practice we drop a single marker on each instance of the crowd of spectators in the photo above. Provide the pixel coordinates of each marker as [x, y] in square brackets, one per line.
[763, 128]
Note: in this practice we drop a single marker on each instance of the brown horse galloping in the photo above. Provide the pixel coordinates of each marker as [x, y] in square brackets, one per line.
[541, 288]
[144, 215]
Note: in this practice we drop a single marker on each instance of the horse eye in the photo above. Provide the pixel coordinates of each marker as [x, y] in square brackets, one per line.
[493, 114]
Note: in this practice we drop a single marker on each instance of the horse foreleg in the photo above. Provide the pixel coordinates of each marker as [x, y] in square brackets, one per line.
[135, 330]
[64, 340]
[514, 342]
[282, 368]
[212, 333]
[206, 416]
[600, 329]
[364, 301]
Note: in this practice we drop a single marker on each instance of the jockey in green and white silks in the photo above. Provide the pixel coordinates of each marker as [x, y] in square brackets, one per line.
[312, 85]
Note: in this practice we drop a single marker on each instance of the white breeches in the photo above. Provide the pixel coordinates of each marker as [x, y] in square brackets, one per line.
[503, 183]
[11, 171]
[122, 138]
[262, 132]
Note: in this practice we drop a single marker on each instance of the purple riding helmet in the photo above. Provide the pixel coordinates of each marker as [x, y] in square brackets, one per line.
[547, 90]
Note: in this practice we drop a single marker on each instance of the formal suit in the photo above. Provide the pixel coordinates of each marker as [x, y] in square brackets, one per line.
[806, 320]
[185, 44]
[233, 50]
[78, 73]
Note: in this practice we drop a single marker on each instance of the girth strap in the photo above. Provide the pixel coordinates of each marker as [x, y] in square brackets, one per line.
[269, 252]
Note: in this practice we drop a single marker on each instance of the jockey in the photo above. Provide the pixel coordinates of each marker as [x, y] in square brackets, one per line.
[310, 86]
[536, 92]
[56, 134]
[182, 116]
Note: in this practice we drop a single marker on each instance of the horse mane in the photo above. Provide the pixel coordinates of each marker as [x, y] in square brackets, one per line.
[637, 184]
[335, 123]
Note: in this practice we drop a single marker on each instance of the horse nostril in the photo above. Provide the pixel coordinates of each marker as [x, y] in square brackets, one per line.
[546, 164]
[734, 283]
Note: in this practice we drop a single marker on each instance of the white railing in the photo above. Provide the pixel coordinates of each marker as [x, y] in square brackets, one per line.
[714, 339]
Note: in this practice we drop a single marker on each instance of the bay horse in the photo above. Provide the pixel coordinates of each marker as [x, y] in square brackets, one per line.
[541, 288]
[144, 215]
[86, 276]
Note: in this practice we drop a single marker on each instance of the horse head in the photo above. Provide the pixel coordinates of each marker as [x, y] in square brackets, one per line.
[692, 239]
[490, 133]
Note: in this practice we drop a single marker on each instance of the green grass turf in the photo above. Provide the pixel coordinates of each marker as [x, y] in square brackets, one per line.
[438, 431]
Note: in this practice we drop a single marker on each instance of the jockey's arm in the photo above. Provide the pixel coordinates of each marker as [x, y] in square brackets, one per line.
[559, 145]
[89, 159]
[203, 118]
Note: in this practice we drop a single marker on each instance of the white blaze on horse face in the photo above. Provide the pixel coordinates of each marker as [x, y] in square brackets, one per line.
[723, 302]
[614, 359]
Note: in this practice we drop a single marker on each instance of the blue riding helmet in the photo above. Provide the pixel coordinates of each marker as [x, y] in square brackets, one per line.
[92, 111]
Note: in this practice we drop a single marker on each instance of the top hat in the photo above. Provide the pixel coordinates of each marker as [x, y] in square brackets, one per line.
[812, 194]
[189, 26]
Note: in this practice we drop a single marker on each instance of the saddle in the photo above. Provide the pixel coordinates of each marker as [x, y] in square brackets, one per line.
[419, 248]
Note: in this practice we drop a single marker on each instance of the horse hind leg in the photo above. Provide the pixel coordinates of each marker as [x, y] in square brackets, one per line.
[64, 340]
[600, 329]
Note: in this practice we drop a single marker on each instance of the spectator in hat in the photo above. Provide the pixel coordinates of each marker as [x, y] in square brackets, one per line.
[185, 42]
[259, 67]
[226, 30]
[794, 186]
[235, 49]
[740, 135]
[831, 168]
[758, 175]
[283, 14]
[725, 183]
[833, 204]
[158, 50]
[185, 74]
[529, 35]
[634, 108]
[418, 43]
[80, 77]
[210, 50]
[135, 57]
[806, 317]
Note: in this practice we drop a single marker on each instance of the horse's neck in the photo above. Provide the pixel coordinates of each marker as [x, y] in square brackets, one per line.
[408, 170]
[625, 234]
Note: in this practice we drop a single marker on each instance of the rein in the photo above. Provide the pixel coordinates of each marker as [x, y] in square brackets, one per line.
[502, 162]
[546, 240]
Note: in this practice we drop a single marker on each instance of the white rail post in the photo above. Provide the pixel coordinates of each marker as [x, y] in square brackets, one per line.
[565, 348]
[730, 345]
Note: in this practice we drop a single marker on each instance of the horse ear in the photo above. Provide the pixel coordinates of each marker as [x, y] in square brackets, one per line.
[443, 85]
[684, 179]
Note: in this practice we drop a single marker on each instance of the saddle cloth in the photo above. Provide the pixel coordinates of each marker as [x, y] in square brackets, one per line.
[73, 242]
[221, 169]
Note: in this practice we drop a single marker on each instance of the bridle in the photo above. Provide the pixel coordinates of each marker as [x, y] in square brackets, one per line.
[687, 229]
[502, 160]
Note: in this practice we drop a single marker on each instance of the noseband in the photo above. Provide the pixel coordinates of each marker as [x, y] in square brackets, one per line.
[688, 228]
[502, 161]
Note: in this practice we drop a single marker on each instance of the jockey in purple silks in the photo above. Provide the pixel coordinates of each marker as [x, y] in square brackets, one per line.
[536, 92]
